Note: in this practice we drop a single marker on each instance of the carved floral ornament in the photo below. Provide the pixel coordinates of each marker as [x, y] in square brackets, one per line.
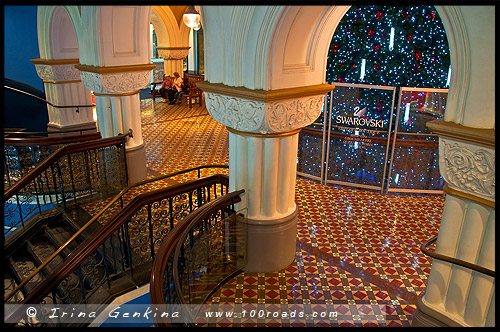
[57, 73]
[116, 83]
[264, 118]
[173, 53]
[468, 168]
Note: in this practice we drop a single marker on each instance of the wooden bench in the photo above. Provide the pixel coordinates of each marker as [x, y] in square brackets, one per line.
[155, 89]
[194, 95]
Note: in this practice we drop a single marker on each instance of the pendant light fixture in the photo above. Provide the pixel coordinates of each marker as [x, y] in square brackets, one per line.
[191, 17]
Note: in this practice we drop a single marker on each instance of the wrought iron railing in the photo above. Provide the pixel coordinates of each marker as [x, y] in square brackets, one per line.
[23, 151]
[193, 250]
[126, 247]
[77, 172]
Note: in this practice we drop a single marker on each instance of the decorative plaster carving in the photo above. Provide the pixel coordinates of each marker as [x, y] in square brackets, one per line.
[58, 73]
[264, 118]
[292, 114]
[115, 83]
[468, 168]
[173, 54]
[236, 113]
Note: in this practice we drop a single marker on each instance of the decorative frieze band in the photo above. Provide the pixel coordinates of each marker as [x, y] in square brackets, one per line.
[467, 167]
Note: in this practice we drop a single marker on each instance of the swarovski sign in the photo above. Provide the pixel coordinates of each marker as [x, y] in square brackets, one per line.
[359, 119]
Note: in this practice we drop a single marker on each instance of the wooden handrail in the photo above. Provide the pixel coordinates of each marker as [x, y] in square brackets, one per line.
[453, 260]
[93, 243]
[168, 246]
[62, 151]
[25, 141]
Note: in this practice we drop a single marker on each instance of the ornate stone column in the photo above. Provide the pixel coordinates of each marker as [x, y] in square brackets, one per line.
[263, 140]
[455, 295]
[173, 58]
[64, 87]
[118, 107]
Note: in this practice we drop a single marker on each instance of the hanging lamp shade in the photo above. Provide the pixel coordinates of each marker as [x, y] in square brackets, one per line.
[191, 17]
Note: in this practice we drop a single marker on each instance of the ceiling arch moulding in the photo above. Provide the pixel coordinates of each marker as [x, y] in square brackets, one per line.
[299, 45]
[169, 30]
[58, 31]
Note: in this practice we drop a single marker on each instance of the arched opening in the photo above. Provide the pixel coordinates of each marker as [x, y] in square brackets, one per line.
[390, 66]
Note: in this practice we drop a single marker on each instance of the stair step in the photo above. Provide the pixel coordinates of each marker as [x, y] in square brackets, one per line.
[59, 235]
[10, 284]
[22, 267]
[42, 249]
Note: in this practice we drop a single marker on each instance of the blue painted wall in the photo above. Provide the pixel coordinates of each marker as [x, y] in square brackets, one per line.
[21, 45]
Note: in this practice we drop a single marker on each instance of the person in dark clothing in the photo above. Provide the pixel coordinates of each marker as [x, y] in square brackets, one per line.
[166, 91]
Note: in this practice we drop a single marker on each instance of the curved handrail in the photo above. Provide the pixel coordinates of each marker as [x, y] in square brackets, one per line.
[95, 217]
[10, 80]
[44, 100]
[168, 246]
[24, 141]
[453, 260]
[93, 243]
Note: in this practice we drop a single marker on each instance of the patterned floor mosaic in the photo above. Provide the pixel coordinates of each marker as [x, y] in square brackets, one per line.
[357, 250]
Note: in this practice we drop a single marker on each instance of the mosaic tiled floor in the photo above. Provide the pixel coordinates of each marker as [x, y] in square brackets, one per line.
[357, 250]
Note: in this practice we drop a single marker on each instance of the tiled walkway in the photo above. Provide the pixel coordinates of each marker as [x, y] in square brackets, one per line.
[357, 250]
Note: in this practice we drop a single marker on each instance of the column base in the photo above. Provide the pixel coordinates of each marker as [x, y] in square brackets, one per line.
[136, 163]
[425, 316]
[271, 243]
[81, 128]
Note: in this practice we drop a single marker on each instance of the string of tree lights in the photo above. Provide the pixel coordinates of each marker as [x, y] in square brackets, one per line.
[390, 45]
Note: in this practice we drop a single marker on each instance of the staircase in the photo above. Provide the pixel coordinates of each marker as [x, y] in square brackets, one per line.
[29, 249]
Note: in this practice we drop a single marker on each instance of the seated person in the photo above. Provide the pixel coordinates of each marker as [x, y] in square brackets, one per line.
[165, 89]
[178, 95]
[179, 89]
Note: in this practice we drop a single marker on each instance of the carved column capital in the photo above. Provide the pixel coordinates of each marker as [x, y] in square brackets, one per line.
[116, 80]
[264, 112]
[57, 71]
[173, 53]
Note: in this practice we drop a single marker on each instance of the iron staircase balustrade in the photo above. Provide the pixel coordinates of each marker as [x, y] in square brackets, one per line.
[24, 153]
[100, 213]
[93, 244]
[57, 188]
[62, 151]
[169, 249]
[453, 260]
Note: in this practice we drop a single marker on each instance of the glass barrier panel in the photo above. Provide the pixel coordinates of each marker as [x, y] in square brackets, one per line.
[414, 158]
[311, 146]
[218, 250]
[360, 122]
